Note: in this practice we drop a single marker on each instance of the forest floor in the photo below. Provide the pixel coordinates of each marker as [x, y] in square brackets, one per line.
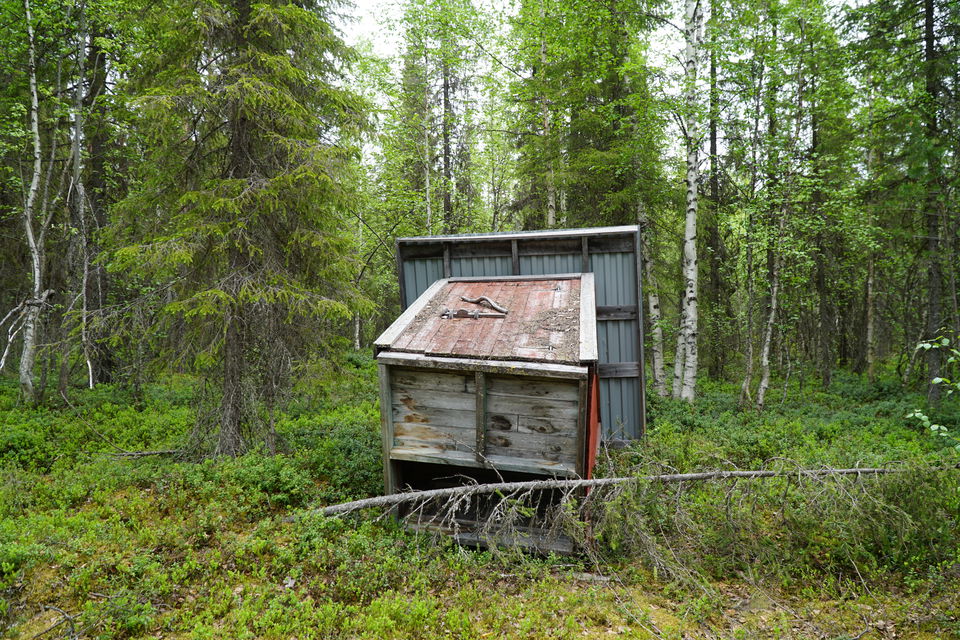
[96, 546]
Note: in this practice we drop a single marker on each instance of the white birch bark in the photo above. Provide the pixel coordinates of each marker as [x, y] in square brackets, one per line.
[693, 29]
[653, 308]
[871, 352]
[28, 353]
[678, 354]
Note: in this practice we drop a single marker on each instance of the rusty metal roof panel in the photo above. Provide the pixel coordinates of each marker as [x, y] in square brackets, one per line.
[543, 320]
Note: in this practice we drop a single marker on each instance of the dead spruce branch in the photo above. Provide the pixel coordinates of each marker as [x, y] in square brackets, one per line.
[515, 488]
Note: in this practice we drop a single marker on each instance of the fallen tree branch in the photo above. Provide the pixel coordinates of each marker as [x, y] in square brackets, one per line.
[144, 454]
[535, 485]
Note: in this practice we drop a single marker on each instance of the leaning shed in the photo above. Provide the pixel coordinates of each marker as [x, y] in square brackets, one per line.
[491, 378]
[612, 254]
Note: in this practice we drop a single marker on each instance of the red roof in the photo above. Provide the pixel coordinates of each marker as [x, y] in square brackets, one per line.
[542, 321]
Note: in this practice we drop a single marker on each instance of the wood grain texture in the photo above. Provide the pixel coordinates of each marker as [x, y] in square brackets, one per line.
[543, 321]
[506, 367]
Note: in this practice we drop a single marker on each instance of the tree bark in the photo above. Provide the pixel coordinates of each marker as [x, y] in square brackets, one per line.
[932, 212]
[717, 298]
[79, 195]
[871, 347]
[692, 37]
[447, 159]
[653, 308]
[679, 352]
[771, 316]
[28, 353]
[427, 155]
[545, 115]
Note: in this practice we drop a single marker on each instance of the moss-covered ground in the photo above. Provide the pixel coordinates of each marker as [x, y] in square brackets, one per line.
[96, 546]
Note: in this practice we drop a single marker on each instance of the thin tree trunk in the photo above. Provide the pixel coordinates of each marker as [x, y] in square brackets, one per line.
[692, 37]
[426, 143]
[679, 353]
[545, 115]
[932, 209]
[29, 352]
[653, 306]
[79, 194]
[771, 317]
[716, 299]
[871, 348]
[447, 159]
[747, 384]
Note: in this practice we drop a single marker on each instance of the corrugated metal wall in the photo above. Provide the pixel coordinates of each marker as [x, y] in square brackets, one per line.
[616, 285]
[418, 275]
[486, 266]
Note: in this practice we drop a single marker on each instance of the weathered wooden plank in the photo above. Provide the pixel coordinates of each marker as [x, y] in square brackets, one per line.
[459, 418]
[588, 319]
[416, 399]
[386, 428]
[507, 367]
[528, 424]
[581, 446]
[550, 448]
[434, 436]
[465, 459]
[394, 330]
[514, 257]
[502, 421]
[532, 388]
[533, 407]
[427, 380]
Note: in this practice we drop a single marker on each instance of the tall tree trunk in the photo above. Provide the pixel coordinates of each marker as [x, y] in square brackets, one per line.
[545, 115]
[932, 209]
[79, 195]
[447, 159]
[29, 352]
[871, 347]
[653, 306]
[747, 383]
[717, 298]
[427, 156]
[692, 37]
[678, 355]
[771, 315]
[230, 438]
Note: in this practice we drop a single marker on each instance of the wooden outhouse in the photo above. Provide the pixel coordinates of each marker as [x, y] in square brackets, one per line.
[483, 379]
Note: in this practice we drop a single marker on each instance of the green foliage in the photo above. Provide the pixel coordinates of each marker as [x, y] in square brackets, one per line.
[135, 548]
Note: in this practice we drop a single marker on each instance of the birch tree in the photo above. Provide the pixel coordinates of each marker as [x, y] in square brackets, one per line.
[687, 337]
[34, 234]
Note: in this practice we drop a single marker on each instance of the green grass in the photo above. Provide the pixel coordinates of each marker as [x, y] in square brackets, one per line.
[162, 547]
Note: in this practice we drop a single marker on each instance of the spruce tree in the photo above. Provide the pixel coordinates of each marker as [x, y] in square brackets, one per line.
[242, 213]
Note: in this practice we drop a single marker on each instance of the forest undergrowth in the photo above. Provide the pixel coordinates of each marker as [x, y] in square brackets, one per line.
[92, 545]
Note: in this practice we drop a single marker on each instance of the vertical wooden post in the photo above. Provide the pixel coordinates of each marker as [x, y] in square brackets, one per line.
[386, 428]
[584, 255]
[481, 396]
[515, 257]
[582, 425]
[446, 260]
